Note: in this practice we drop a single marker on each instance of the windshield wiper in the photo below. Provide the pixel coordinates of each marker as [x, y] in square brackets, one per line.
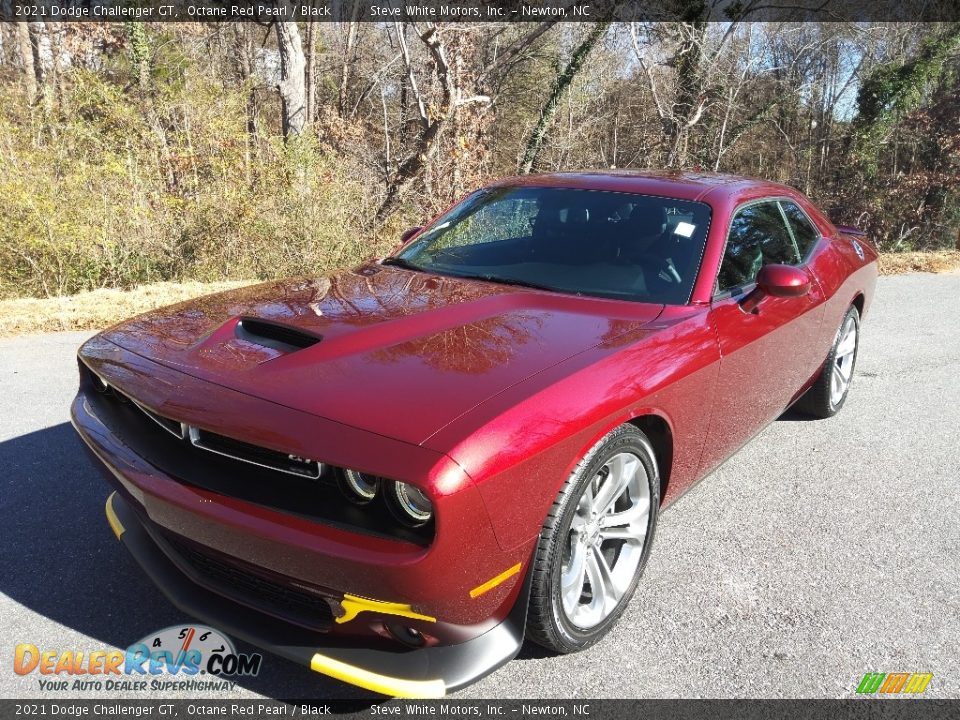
[517, 282]
[403, 263]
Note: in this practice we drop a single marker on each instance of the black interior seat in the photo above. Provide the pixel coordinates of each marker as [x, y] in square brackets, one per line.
[561, 234]
[641, 231]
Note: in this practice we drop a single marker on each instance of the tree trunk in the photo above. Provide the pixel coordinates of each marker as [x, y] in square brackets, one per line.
[434, 123]
[345, 67]
[539, 134]
[243, 58]
[311, 70]
[409, 170]
[690, 100]
[26, 61]
[293, 96]
[139, 52]
[56, 31]
[36, 37]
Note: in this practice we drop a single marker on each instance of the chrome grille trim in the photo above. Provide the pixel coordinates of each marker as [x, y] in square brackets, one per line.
[312, 469]
[196, 440]
[159, 420]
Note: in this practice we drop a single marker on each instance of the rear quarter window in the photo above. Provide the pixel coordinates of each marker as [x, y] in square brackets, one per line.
[805, 234]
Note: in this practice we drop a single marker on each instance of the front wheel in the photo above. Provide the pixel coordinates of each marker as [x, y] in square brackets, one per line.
[828, 394]
[594, 543]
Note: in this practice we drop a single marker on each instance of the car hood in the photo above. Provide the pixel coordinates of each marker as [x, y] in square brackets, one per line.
[392, 351]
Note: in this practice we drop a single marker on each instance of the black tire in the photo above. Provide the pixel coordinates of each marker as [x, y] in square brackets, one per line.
[547, 622]
[818, 401]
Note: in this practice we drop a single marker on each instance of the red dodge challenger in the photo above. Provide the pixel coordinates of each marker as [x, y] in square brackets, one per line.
[397, 473]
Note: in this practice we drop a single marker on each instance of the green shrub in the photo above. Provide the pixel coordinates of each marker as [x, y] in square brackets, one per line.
[117, 190]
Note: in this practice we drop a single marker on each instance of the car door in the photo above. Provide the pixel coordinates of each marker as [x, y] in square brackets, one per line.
[767, 354]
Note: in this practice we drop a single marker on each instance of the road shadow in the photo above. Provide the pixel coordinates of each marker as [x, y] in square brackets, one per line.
[60, 560]
[532, 651]
[794, 415]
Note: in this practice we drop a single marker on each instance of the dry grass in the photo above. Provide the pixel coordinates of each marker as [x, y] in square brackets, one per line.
[98, 308]
[101, 308]
[938, 261]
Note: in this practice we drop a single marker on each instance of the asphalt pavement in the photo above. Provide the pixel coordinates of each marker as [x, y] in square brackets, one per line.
[823, 550]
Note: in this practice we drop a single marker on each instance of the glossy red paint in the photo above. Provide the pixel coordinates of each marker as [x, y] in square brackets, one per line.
[486, 396]
[783, 281]
[395, 343]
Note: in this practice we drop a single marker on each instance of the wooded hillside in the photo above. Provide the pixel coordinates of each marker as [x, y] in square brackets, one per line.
[134, 152]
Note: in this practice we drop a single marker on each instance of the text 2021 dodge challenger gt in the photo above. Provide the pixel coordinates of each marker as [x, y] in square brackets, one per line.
[395, 474]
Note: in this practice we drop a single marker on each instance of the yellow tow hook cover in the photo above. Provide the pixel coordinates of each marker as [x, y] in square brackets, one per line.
[353, 605]
[112, 518]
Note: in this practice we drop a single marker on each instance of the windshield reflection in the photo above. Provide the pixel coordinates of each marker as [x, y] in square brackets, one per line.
[584, 242]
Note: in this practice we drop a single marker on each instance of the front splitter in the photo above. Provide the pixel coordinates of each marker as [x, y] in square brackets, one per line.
[428, 672]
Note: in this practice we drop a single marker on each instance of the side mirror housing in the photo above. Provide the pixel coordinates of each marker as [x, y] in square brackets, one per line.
[776, 281]
[783, 281]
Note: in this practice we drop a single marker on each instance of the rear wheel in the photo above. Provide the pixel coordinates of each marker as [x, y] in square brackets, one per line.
[595, 543]
[828, 394]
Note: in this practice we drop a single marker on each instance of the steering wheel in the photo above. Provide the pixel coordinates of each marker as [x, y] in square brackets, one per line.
[660, 268]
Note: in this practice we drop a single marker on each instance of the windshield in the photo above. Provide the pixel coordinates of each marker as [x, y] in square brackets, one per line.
[588, 242]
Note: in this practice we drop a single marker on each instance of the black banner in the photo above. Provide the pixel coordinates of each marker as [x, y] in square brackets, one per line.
[477, 10]
[585, 709]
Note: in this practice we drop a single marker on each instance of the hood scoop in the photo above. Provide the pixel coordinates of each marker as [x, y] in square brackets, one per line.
[282, 338]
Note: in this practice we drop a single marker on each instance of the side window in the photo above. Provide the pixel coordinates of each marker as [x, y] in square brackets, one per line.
[758, 237]
[804, 232]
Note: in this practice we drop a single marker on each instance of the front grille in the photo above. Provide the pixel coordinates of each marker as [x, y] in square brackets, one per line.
[221, 444]
[173, 427]
[254, 454]
[298, 606]
[281, 481]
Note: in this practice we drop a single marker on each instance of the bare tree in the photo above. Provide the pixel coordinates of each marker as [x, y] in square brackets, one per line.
[680, 100]
[311, 71]
[139, 52]
[450, 91]
[863, 116]
[577, 59]
[292, 87]
[432, 121]
[25, 50]
[349, 43]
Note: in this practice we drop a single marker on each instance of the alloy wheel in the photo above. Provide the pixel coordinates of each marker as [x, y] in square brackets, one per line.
[605, 542]
[843, 361]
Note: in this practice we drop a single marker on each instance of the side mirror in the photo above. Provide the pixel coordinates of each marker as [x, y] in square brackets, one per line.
[776, 281]
[408, 234]
[783, 281]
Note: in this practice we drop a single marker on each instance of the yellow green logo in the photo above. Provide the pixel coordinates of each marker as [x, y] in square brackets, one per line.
[894, 683]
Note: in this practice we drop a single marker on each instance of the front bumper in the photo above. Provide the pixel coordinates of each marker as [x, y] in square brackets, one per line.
[463, 593]
[413, 673]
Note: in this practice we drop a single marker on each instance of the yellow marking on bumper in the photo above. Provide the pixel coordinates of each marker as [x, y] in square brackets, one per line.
[353, 605]
[491, 584]
[383, 684]
[112, 518]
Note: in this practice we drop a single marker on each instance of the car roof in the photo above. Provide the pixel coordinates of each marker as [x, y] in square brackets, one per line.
[679, 184]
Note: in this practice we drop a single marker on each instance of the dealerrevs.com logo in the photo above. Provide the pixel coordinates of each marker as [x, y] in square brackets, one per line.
[172, 659]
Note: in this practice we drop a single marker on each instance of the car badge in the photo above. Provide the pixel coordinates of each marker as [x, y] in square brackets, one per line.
[857, 248]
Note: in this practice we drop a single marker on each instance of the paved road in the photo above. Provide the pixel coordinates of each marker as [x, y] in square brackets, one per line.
[823, 550]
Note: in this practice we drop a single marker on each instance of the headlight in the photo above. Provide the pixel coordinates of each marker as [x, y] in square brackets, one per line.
[409, 504]
[359, 487]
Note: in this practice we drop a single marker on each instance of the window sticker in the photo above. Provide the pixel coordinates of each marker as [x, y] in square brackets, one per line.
[684, 229]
